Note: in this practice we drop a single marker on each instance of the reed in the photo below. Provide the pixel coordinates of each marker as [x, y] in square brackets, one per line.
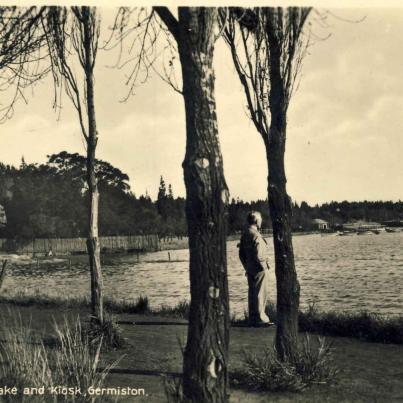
[71, 361]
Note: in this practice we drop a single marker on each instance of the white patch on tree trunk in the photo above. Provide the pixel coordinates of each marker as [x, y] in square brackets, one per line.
[202, 163]
[213, 292]
[214, 366]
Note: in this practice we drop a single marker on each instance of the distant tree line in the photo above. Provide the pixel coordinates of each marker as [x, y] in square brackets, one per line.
[335, 213]
[49, 200]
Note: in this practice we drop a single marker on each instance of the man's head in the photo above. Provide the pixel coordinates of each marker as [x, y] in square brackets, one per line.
[254, 218]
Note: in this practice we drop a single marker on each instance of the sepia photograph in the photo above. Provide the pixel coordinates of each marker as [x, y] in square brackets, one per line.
[201, 202]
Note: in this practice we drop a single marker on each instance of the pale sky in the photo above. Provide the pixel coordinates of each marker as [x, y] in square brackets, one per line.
[344, 138]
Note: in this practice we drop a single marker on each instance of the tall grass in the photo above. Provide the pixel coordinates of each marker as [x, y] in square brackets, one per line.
[361, 325]
[76, 360]
[180, 310]
[25, 361]
[139, 305]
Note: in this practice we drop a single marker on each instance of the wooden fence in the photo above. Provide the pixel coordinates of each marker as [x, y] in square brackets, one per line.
[62, 246]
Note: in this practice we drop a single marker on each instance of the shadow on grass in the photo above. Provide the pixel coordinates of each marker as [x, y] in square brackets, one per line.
[127, 371]
[151, 323]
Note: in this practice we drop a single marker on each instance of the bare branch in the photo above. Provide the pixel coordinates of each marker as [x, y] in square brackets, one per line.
[66, 30]
[271, 46]
[152, 47]
[169, 20]
[21, 62]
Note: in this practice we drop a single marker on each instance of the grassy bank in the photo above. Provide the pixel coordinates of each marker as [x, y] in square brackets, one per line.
[361, 325]
[136, 306]
[368, 371]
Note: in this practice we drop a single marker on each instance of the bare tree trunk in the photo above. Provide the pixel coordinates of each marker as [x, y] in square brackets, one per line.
[205, 376]
[280, 212]
[93, 245]
[286, 275]
[3, 272]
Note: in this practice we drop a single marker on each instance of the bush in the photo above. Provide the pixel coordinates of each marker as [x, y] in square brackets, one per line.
[108, 333]
[265, 371]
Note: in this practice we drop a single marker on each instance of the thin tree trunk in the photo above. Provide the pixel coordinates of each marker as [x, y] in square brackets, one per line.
[280, 212]
[286, 275]
[93, 246]
[3, 272]
[205, 376]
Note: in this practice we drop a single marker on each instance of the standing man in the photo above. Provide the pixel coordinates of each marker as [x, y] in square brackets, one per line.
[253, 252]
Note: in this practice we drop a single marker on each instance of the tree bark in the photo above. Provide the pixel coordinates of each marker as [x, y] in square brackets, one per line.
[205, 376]
[280, 211]
[3, 272]
[93, 245]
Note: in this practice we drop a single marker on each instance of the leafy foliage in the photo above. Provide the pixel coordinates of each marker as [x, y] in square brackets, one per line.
[49, 200]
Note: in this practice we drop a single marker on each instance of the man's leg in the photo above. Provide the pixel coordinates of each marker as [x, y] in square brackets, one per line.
[252, 301]
[261, 296]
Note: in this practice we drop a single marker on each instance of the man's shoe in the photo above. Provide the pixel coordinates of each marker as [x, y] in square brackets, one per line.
[264, 324]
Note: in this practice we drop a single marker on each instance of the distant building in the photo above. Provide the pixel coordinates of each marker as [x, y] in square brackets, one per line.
[3, 218]
[320, 224]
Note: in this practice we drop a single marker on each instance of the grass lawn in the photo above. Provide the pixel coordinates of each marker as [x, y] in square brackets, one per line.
[369, 372]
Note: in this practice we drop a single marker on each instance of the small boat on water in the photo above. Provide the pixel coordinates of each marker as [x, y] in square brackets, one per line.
[345, 233]
[391, 229]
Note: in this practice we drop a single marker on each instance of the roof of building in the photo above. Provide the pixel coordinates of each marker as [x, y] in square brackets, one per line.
[319, 221]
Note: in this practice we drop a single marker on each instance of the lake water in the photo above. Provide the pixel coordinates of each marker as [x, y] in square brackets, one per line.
[344, 273]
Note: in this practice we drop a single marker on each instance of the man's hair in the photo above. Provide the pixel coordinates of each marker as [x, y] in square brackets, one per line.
[252, 217]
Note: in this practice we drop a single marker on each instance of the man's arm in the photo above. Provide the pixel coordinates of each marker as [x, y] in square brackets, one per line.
[260, 249]
[242, 255]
